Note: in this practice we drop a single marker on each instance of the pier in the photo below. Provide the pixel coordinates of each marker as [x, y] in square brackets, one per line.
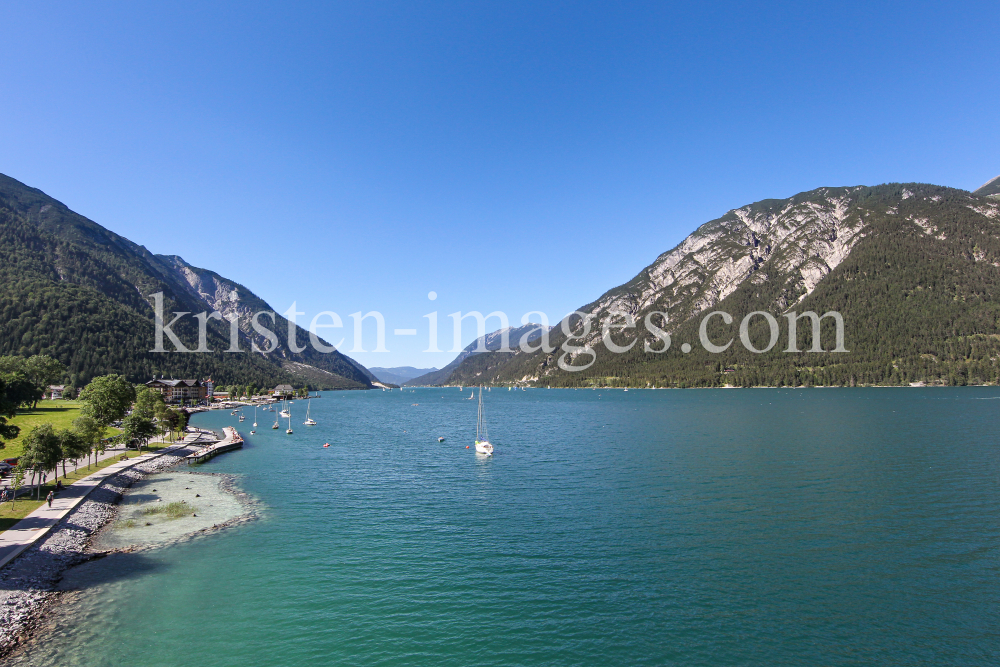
[231, 441]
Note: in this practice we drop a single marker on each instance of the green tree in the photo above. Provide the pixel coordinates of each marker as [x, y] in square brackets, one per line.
[148, 402]
[11, 364]
[91, 433]
[21, 390]
[16, 482]
[138, 428]
[43, 370]
[71, 445]
[107, 398]
[42, 451]
[8, 408]
[40, 370]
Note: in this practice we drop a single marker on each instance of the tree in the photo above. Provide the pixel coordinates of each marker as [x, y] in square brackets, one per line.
[16, 482]
[148, 402]
[107, 398]
[39, 370]
[90, 433]
[43, 370]
[21, 390]
[42, 450]
[138, 428]
[8, 408]
[71, 446]
[183, 416]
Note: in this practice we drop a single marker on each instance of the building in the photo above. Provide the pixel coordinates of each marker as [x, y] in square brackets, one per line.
[56, 391]
[283, 391]
[179, 391]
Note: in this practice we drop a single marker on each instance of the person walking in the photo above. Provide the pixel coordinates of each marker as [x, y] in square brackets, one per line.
[49, 498]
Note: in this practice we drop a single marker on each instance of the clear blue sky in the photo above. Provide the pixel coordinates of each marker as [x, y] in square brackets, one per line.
[510, 156]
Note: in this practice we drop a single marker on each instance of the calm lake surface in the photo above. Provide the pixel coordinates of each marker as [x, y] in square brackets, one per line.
[685, 527]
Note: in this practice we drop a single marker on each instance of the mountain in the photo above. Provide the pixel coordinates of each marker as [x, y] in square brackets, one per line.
[990, 189]
[84, 295]
[399, 374]
[912, 268]
[491, 342]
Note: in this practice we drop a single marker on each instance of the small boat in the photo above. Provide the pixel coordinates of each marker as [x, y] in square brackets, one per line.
[441, 439]
[253, 432]
[242, 417]
[472, 396]
[289, 431]
[483, 445]
[327, 444]
[309, 420]
[255, 416]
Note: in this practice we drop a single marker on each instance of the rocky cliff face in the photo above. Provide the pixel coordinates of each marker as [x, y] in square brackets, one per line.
[873, 253]
[232, 299]
[803, 238]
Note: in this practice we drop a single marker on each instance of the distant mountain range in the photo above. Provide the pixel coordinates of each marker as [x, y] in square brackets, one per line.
[914, 269]
[491, 342]
[82, 294]
[399, 374]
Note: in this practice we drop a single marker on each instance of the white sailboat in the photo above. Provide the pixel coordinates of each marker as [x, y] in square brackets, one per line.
[289, 423]
[255, 416]
[284, 410]
[309, 420]
[483, 445]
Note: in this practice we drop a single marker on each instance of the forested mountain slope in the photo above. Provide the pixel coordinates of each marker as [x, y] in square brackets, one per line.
[82, 294]
[914, 269]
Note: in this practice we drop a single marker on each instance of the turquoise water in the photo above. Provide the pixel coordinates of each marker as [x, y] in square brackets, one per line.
[692, 527]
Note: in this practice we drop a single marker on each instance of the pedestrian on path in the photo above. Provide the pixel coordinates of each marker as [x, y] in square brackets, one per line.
[49, 498]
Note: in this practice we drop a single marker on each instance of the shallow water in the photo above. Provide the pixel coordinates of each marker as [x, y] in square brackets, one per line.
[142, 520]
[698, 527]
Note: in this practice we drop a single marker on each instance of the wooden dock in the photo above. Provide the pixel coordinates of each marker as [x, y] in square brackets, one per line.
[231, 441]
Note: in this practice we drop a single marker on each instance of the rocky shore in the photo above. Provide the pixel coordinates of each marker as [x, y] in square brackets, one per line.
[29, 582]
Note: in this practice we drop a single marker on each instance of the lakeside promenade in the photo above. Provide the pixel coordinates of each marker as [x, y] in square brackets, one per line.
[201, 436]
[40, 522]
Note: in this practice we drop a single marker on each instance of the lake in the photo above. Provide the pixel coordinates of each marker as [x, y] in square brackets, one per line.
[666, 527]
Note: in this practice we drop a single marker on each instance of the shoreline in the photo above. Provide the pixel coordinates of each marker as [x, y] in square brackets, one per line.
[29, 584]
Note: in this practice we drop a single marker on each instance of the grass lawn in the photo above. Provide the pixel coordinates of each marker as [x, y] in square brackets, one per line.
[24, 505]
[58, 413]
